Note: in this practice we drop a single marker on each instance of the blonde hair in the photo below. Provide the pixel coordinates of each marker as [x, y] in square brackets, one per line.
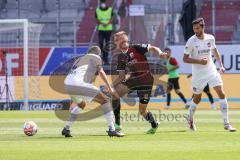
[120, 33]
[94, 50]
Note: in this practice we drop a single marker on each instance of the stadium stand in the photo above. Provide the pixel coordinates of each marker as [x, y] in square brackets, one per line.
[225, 26]
[82, 12]
[236, 35]
[35, 12]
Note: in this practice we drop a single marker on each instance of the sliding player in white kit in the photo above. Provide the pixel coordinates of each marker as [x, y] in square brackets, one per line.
[198, 52]
[78, 84]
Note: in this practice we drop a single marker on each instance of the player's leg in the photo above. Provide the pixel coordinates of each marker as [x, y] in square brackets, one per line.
[169, 89]
[195, 101]
[224, 108]
[106, 107]
[178, 91]
[210, 97]
[197, 86]
[90, 93]
[116, 104]
[75, 108]
[192, 108]
[217, 83]
[148, 116]
[144, 96]
[121, 90]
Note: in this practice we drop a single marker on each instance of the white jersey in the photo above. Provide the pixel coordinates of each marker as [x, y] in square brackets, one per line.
[86, 71]
[199, 49]
[78, 82]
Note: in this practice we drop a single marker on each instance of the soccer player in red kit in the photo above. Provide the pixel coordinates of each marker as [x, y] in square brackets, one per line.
[132, 60]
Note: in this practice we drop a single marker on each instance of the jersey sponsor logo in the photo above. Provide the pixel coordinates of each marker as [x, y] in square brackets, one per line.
[204, 52]
[131, 54]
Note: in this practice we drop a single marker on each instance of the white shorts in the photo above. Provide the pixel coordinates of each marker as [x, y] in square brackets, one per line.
[199, 84]
[81, 91]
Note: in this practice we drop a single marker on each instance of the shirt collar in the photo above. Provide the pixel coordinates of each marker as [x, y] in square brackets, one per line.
[124, 52]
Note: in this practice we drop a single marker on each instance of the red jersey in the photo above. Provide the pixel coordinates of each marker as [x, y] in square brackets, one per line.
[134, 61]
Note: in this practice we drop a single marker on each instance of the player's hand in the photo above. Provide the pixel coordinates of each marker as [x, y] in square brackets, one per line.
[163, 55]
[203, 61]
[222, 70]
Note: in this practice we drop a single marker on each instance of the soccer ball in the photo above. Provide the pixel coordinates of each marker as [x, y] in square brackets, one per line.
[30, 128]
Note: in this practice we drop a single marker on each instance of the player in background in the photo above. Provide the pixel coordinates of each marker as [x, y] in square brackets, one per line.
[79, 85]
[198, 52]
[132, 61]
[173, 78]
[206, 90]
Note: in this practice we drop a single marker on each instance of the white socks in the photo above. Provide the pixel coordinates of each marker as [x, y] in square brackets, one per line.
[192, 110]
[106, 108]
[74, 114]
[224, 109]
[108, 114]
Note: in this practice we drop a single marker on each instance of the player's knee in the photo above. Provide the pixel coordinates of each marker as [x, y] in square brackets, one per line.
[196, 99]
[222, 95]
[142, 111]
[169, 90]
[82, 105]
[177, 91]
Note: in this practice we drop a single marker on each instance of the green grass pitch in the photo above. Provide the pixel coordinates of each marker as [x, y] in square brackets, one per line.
[173, 140]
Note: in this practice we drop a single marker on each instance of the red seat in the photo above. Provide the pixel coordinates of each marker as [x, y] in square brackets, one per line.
[227, 13]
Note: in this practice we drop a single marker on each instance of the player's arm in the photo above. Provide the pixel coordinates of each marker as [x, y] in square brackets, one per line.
[173, 62]
[121, 77]
[219, 60]
[144, 48]
[103, 76]
[157, 51]
[217, 56]
[188, 59]
[121, 66]
[187, 52]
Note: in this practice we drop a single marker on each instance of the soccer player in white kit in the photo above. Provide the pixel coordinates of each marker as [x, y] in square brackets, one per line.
[198, 52]
[78, 84]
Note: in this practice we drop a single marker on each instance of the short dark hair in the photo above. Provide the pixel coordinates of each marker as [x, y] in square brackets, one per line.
[199, 21]
[167, 49]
